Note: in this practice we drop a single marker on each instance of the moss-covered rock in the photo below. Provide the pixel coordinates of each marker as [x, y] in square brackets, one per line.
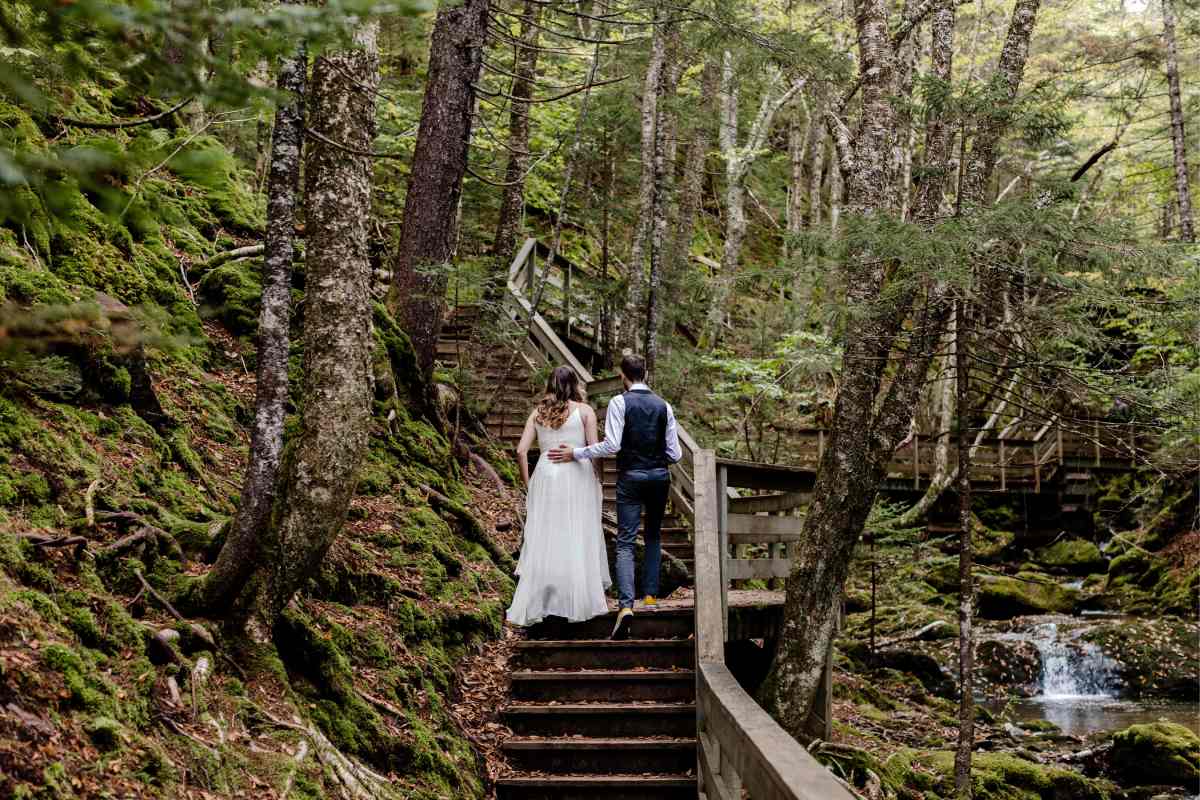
[1004, 597]
[1156, 753]
[1073, 556]
[1156, 657]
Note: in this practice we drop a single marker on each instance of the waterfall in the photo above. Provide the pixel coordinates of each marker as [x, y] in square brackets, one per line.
[1072, 669]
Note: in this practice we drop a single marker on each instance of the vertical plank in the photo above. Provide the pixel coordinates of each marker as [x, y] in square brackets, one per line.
[710, 633]
[530, 269]
[916, 461]
[723, 543]
[1003, 483]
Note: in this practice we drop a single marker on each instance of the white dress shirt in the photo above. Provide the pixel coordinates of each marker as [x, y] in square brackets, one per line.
[614, 426]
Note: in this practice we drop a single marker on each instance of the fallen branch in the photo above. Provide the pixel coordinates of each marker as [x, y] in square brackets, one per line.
[112, 126]
[237, 254]
[471, 527]
[908, 637]
[89, 503]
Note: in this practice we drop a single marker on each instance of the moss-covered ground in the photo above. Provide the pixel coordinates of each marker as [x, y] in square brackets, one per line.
[126, 390]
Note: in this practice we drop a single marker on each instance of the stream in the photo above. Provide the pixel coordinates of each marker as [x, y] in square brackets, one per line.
[1079, 687]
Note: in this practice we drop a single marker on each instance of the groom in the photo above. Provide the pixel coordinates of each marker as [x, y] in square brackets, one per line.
[640, 431]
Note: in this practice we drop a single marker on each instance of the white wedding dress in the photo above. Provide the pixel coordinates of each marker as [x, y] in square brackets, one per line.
[563, 568]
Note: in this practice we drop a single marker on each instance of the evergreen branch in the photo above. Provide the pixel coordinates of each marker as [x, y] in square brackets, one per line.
[112, 126]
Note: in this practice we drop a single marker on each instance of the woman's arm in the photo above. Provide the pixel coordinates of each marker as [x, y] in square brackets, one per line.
[523, 446]
[591, 436]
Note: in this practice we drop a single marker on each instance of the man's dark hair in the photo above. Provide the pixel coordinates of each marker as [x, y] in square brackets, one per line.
[633, 367]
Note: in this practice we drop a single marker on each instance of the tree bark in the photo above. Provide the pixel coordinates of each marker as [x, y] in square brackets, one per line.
[636, 291]
[1183, 193]
[240, 555]
[692, 184]
[668, 78]
[981, 162]
[320, 470]
[738, 159]
[966, 586]
[512, 204]
[427, 233]
[815, 159]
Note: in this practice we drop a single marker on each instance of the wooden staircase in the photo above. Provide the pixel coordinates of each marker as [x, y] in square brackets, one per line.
[594, 719]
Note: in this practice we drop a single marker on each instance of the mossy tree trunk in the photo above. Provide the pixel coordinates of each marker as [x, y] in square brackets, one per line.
[429, 229]
[320, 469]
[513, 201]
[242, 549]
[897, 328]
[663, 169]
[966, 581]
[1183, 193]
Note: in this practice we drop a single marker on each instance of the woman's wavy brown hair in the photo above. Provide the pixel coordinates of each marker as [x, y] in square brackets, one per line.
[562, 387]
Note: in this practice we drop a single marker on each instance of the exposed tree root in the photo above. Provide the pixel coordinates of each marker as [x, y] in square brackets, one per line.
[470, 526]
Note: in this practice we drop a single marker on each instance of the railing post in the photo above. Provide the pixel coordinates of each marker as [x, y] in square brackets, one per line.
[530, 273]
[1058, 441]
[916, 461]
[567, 297]
[723, 543]
[710, 639]
[1003, 484]
[820, 445]
[1096, 438]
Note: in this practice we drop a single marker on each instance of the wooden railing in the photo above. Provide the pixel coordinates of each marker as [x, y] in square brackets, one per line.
[743, 752]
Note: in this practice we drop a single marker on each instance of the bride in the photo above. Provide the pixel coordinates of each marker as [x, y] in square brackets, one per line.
[563, 568]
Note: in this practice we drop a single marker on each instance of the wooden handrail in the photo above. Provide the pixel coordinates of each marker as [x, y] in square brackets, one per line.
[740, 747]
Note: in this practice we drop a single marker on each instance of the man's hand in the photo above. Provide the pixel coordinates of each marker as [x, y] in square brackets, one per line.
[562, 454]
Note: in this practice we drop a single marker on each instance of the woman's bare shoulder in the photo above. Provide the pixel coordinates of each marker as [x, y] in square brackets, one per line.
[584, 408]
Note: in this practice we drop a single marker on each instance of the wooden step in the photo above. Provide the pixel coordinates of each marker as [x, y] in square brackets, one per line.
[596, 787]
[604, 685]
[601, 719]
[601, 756]
[604, 654]
[660, 623]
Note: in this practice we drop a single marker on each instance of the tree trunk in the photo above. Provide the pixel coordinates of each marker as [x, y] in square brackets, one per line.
[668, 78]
[512, 204]
[320, 470]
[1183, 194]
[636, 292]
[981, 162]
[816, 174]
[797, 141]
[240, 555]
[427, 233]
[692, 185]
[738, 159]
[966, 586]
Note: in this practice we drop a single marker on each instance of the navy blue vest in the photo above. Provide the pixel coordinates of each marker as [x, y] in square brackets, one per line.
[644, 439]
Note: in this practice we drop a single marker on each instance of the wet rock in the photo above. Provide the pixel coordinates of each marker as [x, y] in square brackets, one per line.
[1004, 597]
[1155, 658]
[1013, 667]
[1072, 556]
[1160, 753]
[921, 666]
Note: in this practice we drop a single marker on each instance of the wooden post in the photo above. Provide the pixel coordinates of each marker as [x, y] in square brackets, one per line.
[710, 638]
[567, 297]
[1132, 446]
[916, 461]
[723, 543]
[530, 269]
[1058, 443]
[1096, 438]
[820, 445]
[1003, 485]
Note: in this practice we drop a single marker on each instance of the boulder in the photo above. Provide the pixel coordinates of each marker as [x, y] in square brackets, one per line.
[1073, 556]
[921, 666]
[1004, 597]
[1155, 753]
[1012, 667]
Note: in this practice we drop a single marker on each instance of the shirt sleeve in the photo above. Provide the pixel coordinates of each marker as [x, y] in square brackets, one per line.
[614, 426]
[674, 451]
